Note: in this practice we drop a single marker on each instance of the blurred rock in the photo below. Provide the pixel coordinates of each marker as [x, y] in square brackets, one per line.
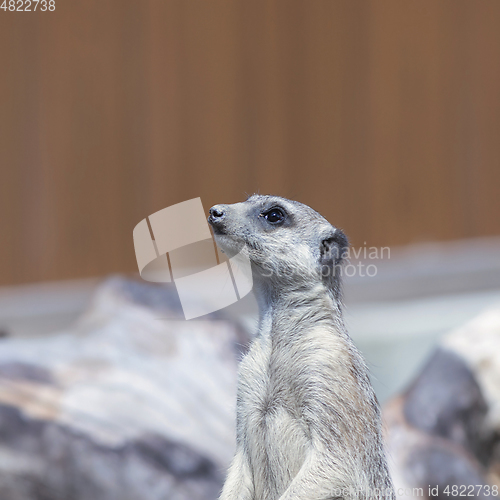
[478, 344]
[444, 430]
[133, 403]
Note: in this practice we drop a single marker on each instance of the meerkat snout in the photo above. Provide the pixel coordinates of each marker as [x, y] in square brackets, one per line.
[216, 213]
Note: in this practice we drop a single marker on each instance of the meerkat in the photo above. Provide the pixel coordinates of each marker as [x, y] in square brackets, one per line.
[308, 423]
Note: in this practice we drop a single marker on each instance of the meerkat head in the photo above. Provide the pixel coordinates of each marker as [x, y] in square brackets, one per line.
[287, 242]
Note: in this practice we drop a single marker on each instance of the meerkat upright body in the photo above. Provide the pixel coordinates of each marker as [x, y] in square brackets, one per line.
[308, 422]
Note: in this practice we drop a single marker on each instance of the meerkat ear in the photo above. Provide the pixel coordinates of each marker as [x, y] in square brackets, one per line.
[333, 248]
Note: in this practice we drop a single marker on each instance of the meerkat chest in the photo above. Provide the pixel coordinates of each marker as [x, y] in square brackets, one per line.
[268, 382]
[271, 424]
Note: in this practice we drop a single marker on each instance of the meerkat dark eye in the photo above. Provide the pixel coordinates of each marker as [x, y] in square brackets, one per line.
[274, 215]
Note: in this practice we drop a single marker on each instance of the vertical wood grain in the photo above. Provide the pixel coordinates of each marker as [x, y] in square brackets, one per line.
[384, 116]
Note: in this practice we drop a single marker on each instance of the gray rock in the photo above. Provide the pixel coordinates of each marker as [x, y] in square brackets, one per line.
[133, 402]
[444, 429]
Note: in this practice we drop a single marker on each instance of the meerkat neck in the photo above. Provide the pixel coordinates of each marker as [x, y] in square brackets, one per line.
[284, 309]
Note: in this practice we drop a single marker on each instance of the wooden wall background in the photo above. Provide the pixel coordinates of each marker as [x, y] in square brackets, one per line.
[384, 115]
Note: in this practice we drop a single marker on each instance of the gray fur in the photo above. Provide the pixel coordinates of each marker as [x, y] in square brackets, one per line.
[308, 421]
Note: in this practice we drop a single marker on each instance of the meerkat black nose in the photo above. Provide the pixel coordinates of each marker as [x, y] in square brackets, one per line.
[216, 214]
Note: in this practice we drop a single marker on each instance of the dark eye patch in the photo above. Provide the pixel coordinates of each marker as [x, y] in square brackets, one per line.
[274, 215]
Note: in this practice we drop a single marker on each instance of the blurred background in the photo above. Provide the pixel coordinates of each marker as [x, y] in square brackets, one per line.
[382, 115]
